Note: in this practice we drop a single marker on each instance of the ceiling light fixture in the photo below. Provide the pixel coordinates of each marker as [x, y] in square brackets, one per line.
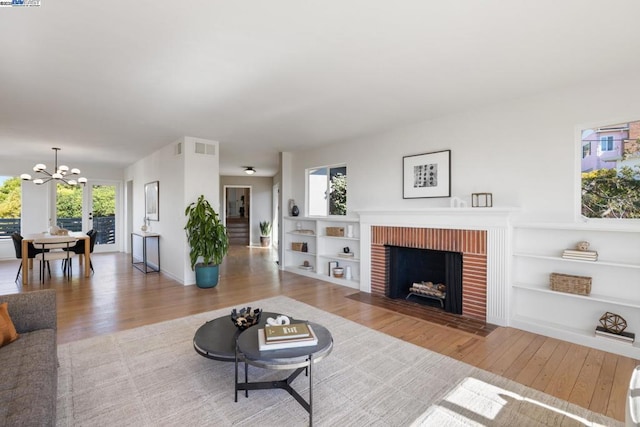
[249, 170]
[61, 173]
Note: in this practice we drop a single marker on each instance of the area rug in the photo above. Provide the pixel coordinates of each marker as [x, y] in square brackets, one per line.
[151, 376]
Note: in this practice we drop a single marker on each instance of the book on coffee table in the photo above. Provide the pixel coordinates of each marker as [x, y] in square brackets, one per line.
[286, 332]
[263, 345]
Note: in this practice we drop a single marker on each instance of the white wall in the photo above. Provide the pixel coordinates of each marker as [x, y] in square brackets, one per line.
[524, 152]
[261, 201]
[182, 178]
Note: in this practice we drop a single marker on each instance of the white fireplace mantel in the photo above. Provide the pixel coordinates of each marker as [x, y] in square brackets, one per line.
[497, 223]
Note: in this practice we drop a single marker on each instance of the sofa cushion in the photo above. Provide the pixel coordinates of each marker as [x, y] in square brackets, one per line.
[8, 332]
[29, 380]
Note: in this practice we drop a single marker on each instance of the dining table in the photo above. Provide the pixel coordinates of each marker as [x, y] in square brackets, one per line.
[29, 238]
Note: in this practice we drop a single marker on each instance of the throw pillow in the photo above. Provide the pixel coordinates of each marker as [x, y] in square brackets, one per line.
[8, 333]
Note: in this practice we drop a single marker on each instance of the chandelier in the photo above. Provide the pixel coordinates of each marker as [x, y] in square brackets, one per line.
[61, 173]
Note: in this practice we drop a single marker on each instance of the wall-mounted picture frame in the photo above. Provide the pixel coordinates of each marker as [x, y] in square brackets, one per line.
[426, 175]
[152, 200]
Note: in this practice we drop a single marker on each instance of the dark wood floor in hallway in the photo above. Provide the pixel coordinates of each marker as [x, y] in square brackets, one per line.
[118, 297]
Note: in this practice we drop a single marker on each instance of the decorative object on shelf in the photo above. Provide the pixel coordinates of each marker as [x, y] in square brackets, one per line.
[335, 231]
[245, 317]
[580, 285]
[145, 224]
[426, 175]
[293, 208]
[457, 202]
[332, 265]
[481, 200]
[338, 272]
[151, 200]
[305, 247]
[613, 323]
[583, 246]
[580, 255]
[296, 246]
[211, 246]
[306, 265]
[61, 173]
[349, 230]
[346, 250]
[299, 226]
[347, 272]
[265, 234]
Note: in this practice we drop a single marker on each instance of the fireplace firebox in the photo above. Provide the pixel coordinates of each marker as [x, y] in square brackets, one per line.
[430, 277]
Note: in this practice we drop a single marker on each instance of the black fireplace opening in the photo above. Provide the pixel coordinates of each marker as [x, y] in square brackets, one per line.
[425, 276]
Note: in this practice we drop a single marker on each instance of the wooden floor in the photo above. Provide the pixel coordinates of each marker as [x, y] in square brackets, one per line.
[118, 297]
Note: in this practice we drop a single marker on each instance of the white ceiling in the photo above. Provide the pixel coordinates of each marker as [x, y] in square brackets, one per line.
[116, 80]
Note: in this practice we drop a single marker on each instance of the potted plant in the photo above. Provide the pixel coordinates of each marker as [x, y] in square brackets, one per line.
[265, 234]
[208, 240]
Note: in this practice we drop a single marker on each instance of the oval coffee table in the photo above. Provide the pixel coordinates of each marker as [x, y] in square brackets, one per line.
[299, 358]
[216, 339]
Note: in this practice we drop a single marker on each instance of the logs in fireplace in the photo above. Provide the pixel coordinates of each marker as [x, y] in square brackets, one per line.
[426, 276]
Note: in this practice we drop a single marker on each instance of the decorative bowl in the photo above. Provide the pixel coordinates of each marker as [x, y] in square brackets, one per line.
[245, 317]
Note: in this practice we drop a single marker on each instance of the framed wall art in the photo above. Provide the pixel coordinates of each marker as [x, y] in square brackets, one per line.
[427, 175]
[152, 201]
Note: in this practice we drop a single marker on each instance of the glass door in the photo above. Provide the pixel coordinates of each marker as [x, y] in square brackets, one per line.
[90, 207]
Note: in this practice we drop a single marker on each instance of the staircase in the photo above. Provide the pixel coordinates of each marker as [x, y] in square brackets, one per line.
[238, 230]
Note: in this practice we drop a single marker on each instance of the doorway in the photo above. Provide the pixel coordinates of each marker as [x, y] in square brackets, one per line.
[238, 214]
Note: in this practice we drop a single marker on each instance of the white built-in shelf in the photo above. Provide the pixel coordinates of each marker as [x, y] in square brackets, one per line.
[355, 239]
[591, 297]
[578, 335]
[300, 252]
[339, 258]
[297, 233]
[558, 258]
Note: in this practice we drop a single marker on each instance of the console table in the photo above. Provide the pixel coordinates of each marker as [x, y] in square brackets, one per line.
[147, 239]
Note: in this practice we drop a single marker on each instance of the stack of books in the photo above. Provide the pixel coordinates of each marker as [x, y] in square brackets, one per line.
[286, 336]
[623, 337]
[580, 255]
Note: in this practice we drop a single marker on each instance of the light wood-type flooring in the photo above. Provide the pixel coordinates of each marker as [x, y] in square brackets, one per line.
[119, 297]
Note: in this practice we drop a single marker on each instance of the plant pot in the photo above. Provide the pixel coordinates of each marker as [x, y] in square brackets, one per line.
[207, 275]
[265, 241]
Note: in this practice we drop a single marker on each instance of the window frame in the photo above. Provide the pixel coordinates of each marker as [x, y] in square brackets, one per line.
[308, 174]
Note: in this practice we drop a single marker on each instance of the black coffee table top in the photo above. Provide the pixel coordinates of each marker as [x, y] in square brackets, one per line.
[216, 339]
[285, 358]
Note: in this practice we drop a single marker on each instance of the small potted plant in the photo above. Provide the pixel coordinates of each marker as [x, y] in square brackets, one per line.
[265, 234]
[208, 240]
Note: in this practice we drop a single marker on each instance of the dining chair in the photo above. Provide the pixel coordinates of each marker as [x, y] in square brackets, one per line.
[17, 244]
[79, 247]
[53, 248]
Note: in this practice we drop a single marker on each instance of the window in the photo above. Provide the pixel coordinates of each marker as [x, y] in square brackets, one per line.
[586, 150]
[610, 180]
[10, 205]
[606, 143]
[327, 190]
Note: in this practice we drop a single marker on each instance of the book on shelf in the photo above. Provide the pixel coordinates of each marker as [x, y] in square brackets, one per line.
[346, 254]
[263, 345]
[286, 332]
[580, 255]
[628, 337]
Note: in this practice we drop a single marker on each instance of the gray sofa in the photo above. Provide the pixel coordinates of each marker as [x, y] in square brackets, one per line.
[29, 365]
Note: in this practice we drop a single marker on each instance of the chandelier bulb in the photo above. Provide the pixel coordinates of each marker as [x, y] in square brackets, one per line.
[39, 167]
[25, 176]
[38, 181]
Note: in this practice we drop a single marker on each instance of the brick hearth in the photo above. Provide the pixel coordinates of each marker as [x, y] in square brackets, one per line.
[471, 243]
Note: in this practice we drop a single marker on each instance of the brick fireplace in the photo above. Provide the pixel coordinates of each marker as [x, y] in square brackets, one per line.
[471, 243]
[482, 235]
